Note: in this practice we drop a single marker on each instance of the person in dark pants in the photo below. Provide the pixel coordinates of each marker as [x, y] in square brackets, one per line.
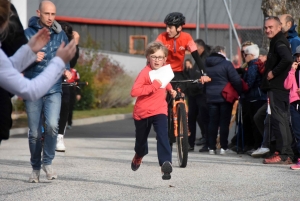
[262, 116]
[67, 102]
[277, 67]
[253, 98]
[151, 109]
[197, 108]
[221, 72]
[11, 41]
[292, 82]
[203, 118]
[74, 96]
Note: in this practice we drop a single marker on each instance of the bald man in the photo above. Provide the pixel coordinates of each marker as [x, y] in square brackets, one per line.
[289, 29]
[44, 111]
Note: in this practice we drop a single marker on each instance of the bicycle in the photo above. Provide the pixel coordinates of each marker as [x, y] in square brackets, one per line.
[76, 84]
[179, 121]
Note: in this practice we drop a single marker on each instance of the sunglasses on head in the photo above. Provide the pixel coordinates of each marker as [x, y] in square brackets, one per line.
[273, 17]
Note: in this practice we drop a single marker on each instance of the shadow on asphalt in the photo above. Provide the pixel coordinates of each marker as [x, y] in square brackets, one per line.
[114, 129]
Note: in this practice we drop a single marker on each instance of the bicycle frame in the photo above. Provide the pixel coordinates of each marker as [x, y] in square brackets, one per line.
[175, 122]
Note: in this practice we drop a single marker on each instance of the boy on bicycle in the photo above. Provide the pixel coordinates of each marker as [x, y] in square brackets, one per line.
[151, 109]
[177, 42]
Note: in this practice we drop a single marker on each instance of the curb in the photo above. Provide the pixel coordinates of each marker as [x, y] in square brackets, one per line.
[81, 122]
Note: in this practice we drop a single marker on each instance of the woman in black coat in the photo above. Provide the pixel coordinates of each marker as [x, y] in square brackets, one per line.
[221, 71]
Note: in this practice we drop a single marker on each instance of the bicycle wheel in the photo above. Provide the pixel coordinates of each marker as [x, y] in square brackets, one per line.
[182, 138]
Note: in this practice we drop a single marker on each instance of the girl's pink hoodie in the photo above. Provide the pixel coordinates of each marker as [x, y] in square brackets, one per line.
[290, 83]
[151, 99]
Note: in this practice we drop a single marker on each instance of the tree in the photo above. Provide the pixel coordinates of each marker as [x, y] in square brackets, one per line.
[279, 7]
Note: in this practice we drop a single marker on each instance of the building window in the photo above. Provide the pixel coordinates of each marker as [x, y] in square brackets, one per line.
[137, 44]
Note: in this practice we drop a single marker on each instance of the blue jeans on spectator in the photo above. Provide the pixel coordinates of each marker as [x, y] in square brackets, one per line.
[44, 111]
[295, 119]
[142, 129]
[219, 116]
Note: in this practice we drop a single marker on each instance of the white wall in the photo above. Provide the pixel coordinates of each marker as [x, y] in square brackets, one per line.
[21, 6]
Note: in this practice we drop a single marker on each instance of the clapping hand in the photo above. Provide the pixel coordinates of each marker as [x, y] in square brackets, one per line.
[66, 53]
[39, 40]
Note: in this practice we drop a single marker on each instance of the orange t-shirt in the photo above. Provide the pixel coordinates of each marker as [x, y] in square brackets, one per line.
[177, 48]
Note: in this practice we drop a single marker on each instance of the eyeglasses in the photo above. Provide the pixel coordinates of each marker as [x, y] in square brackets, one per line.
[244, 54]
[160, 58]
[273, 17]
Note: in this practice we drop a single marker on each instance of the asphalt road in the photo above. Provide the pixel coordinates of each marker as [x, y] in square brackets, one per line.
[96, 166]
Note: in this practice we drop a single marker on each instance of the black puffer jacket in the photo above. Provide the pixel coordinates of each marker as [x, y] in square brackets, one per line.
[279, 62]
[194, 73]
[221, 72]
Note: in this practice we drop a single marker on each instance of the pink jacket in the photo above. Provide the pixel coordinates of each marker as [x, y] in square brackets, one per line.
[291, 84]
[151, 99]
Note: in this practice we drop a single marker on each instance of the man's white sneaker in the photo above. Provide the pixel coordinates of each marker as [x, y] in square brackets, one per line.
[60, 145]
[212, 152]
[223, 151]
[35, 176]
[260, 152]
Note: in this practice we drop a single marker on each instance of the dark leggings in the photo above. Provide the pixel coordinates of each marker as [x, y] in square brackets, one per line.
[71, 105]
[64, 110]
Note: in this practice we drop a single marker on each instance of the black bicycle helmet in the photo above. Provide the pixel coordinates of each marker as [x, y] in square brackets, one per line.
[176, 19]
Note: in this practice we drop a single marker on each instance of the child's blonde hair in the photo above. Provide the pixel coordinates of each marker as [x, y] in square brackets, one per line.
[154, 46]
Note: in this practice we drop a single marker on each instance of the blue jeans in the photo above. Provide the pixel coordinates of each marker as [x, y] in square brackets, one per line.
[142, 129]
[295, 119]
[219, 116]
[44, 111]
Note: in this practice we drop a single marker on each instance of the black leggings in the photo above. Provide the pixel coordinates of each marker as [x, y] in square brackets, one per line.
[71, 105]
[64, 110]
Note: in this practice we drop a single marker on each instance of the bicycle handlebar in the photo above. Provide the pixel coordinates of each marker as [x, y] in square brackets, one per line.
[75, 83]
[192, 81]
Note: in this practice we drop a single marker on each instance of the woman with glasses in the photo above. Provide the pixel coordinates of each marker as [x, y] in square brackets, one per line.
[253, 98]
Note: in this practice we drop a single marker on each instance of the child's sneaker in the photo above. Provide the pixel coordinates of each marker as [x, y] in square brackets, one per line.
[297, 166]
[136, 162]
[166, 170]
[35, 176]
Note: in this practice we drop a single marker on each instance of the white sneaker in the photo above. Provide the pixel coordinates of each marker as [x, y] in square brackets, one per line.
[260, 152]
[212, 152]
[223, 151]
[60, 145]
